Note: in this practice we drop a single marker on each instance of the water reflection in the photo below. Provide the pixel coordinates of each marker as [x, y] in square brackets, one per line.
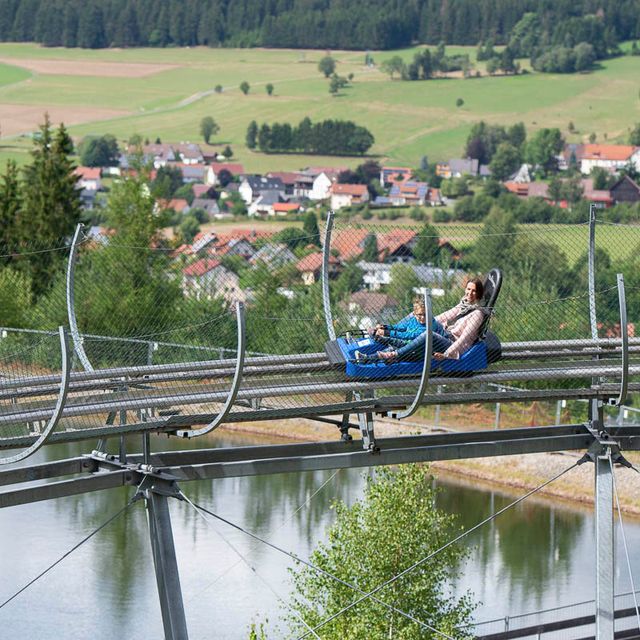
[530, 557]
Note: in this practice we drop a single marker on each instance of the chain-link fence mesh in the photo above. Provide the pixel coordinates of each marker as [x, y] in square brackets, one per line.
[157, 332]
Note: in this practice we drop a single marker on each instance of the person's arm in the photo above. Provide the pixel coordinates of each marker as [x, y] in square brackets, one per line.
[399, 330]
[472, 325]
[450, 314]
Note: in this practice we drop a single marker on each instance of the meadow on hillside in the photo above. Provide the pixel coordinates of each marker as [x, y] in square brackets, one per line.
[165, 93]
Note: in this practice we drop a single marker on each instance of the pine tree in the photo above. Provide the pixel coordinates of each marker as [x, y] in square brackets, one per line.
[51, 208]
[10, 201]
[370, 248]
[310, 228]
[427, 246]
[252, 135]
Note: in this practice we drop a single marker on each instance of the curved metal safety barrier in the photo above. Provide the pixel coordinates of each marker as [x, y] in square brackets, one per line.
[235, 385]
[71, 308]
[624, 335]
[426, 365]
[57, 411]
[326, 255]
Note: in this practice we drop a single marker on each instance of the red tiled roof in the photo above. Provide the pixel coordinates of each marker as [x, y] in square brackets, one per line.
[287, 177]
[393, 240]
[87, 173]
[349, 243]
[348, 189]
[201, 267]
[617, 152]
[232, 167]
[285, 206]
[313, 262]
[200, 189]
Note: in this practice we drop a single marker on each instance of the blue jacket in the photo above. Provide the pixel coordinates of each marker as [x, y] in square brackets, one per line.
[408, 328]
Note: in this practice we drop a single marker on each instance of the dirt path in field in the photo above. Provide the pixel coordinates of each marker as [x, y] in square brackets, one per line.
[89, 67]
[20, 118]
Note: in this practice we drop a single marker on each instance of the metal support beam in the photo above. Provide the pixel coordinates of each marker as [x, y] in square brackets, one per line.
[604, 546]
[235, 385]
[326, 255]
[601, 454]
[593, 321]
[156, 493]
[426, 363]
[71, 302]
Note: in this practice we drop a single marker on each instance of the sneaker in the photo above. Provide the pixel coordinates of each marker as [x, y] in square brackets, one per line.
[358, 356]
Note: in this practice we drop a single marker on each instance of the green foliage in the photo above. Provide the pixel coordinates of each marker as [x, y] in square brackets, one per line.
[397, 524]
[543, 147]
[505, 161]
[50, 197]
[15, 297]
[99, 151]
[245, 87]
[189, 228]
[393, 66]
[167, 181]
[327, 65]
[427, 247]
[370, 248]
[292, 237]
[311, 229]
[251, 139]
[356, 26]
[208, 127]
[494, 248]
[337, 83]
[329, 137]
[269, 88]
[634, 136]
[10, 205]
[403, 282]
[349, 280]
[455, 187]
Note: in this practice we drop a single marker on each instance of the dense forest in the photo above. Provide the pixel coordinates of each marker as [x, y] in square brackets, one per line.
[347, 24]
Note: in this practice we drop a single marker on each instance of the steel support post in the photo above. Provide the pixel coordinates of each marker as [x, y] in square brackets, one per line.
[604, 526]
[604, 547]
[164, 559]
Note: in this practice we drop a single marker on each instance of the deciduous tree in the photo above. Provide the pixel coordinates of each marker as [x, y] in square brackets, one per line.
[401, 526]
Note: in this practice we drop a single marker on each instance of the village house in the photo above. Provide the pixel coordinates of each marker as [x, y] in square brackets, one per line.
[207, 278]
[88, 178]
[396, 246]
[611, 157]
[625, 190]
[274, 256]
[194, 173]
[310, 268]
[285, 208]
[366, 308]
[409, 193]
[346, 195]
[323, 178]
[393, 175]
[189, 153]
[295, 183]
[264, 203]
[458, 167]
[209, 206]
[179, 205]
[157, 154]
[213, 173]
[252, 186]
[378, 274]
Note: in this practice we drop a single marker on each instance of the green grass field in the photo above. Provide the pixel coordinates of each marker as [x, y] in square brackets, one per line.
[408, 119]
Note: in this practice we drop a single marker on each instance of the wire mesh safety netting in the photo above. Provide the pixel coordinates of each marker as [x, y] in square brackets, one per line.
[155, 330]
